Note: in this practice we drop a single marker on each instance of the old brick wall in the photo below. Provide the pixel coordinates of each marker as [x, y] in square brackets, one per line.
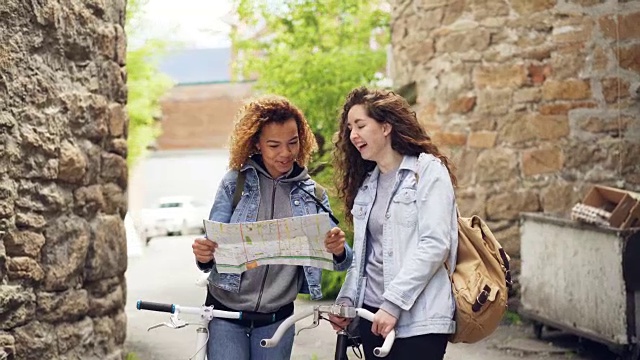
[200, 116]
[63, 179]
[534, 99]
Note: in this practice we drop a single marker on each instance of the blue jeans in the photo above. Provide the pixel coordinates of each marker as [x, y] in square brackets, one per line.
[229, 341]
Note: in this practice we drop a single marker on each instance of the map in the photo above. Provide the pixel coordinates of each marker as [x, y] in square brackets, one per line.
[290, 241]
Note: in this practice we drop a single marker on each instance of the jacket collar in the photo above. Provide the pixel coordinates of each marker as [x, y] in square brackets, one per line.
[409, 162]
[255, 162]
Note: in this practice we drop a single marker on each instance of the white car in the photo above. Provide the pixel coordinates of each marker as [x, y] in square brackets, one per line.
[174, 215]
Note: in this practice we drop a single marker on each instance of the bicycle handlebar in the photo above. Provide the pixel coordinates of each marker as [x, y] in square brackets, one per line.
[207, 312]
[148, 305]
[291, 320]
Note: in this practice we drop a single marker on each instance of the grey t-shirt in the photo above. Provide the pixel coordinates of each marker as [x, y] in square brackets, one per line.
[373, 268]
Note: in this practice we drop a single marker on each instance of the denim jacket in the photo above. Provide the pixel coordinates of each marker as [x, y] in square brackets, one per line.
[247, 211]
[418, 237]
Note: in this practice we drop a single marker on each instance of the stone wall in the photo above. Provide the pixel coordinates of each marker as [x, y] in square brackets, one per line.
[200, 116]
[63, 179]
[535, 100]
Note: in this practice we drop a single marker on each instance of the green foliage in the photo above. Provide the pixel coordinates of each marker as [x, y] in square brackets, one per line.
[132, 356]
[332, 280]
[145, 85]
[314, 52]
[512, 317]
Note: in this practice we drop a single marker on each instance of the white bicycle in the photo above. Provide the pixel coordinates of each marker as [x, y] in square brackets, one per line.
[205, 313]
[342, 336]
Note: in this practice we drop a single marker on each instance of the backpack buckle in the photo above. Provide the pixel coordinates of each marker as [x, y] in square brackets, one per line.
[507, 277]
[481, 299]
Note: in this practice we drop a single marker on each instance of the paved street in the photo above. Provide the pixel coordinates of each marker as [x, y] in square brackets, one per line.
[165, 272]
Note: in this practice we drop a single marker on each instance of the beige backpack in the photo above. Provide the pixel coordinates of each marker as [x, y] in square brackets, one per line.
[480, 281]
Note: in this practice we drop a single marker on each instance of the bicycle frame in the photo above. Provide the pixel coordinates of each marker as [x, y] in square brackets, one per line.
[206, 313]
[337, 310]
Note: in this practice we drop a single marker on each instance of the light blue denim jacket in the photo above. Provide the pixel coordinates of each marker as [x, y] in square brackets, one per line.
[418, 237]
[247, 211]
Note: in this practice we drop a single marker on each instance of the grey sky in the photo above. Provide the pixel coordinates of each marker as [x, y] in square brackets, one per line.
[194, 23]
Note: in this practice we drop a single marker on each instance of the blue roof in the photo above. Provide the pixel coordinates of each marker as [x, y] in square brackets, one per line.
[193, 66]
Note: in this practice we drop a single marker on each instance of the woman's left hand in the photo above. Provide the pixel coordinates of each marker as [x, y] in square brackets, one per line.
[383, 323]
[334, 241]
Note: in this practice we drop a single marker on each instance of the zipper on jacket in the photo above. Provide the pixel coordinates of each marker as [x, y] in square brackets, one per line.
[264, 280]
[266, 272]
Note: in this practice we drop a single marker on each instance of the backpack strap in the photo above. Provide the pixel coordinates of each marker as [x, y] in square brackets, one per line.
[319, 192]
[237, 194]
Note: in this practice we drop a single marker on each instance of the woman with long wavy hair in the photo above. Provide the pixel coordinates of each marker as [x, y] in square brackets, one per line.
[400, 190]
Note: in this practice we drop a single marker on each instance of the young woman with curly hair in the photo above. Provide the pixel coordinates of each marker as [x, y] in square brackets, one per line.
[271, 146]
[399, 188]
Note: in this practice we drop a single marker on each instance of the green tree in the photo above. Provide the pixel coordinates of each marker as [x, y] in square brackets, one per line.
[313, 52]
[145, 85]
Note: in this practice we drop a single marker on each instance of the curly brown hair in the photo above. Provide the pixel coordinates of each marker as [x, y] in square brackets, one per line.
[408, 137]
[259, 112]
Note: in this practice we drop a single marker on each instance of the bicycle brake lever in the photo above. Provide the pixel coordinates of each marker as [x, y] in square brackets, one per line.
[315, 323]
[159, 325]
[175, 324]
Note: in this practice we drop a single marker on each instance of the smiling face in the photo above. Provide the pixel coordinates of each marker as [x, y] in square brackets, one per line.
[279, 144]
[369, 136]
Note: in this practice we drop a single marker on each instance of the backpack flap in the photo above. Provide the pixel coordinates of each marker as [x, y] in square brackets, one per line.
[479, 283]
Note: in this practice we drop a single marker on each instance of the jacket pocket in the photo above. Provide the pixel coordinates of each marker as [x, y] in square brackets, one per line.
[310, 205]
[405, 208]
[359, 211]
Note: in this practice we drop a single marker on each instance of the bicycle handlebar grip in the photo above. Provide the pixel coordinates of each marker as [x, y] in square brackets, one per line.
[388, 341]
[148, 305]
[286, 324]
[268, 343]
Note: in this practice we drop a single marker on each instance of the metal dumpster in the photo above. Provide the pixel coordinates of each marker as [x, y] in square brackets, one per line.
[582, 279]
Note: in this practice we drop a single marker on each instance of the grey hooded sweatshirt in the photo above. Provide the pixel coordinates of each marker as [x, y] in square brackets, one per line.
[267, 288]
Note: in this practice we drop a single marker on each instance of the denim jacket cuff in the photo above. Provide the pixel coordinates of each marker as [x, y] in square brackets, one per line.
[342, 263]
[391, 308]
[345, 301]
[206, 267]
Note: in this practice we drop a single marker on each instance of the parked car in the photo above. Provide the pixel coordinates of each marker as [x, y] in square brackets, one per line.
[134, 243]
[174, 215]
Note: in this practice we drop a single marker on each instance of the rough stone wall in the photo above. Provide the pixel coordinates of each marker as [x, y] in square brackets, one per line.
[533, 99]
[200, 116]
[63, 179]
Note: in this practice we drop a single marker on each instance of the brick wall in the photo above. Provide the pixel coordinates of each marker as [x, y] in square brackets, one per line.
[200, 116]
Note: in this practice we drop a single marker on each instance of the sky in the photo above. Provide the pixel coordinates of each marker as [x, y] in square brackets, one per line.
[194, 23]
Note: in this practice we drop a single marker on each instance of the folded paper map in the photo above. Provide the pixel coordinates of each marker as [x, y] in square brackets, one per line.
[290, 241]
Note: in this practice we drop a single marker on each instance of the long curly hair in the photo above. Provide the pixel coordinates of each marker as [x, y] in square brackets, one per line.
[408, 137]
[262, 111]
